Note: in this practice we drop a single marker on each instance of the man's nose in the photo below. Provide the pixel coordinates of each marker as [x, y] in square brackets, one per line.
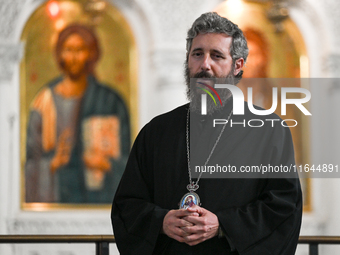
[206, 63]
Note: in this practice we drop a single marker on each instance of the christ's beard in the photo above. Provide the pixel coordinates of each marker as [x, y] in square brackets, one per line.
[194, 94]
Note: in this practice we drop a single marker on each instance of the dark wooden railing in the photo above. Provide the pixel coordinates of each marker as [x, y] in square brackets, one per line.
[314, 241]
[102, 241]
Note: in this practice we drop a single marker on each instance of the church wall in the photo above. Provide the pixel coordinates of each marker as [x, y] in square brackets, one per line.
[160, 30]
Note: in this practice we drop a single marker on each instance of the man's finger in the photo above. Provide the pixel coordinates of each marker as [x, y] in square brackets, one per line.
[194, 239]
[197, 209]
[183, 223]
[194, 220]
[179, 232]
[183, 213]
[194, 229]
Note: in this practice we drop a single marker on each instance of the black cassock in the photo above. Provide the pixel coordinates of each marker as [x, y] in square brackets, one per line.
[259, 216]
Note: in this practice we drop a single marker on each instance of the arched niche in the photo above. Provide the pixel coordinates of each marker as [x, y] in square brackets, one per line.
[280, 57]
[117, 66]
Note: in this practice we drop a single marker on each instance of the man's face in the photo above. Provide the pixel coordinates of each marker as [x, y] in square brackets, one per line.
[209, 57]
[210, 53]
[75, 55]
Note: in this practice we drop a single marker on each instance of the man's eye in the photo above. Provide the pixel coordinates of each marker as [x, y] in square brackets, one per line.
[197, 54]
[217, 56]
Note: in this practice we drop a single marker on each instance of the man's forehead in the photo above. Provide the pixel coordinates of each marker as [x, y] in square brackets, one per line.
[212, 41]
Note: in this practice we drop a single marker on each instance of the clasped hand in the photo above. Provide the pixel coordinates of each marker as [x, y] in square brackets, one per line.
[191, 226]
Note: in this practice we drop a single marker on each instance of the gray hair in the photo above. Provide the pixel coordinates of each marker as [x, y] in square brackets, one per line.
[211, 22]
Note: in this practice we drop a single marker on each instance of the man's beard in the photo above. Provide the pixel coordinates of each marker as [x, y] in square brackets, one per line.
[194, 96]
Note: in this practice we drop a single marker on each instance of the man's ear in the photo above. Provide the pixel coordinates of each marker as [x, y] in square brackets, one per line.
[238, 65]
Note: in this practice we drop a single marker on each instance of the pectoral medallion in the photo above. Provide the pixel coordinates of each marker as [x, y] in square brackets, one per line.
[189, 199]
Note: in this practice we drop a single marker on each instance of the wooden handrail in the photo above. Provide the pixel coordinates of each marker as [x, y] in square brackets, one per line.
[101, 241]
[319, 239]
[56, 238]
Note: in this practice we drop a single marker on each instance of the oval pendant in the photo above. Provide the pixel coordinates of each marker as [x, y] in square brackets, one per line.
[188, 200]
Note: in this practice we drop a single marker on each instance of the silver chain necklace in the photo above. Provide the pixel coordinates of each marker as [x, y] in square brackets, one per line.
[191, 197]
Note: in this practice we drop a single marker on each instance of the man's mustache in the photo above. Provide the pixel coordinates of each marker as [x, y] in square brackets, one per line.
[203, 74]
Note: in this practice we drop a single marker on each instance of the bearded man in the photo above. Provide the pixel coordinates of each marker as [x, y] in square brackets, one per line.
[245, 216]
